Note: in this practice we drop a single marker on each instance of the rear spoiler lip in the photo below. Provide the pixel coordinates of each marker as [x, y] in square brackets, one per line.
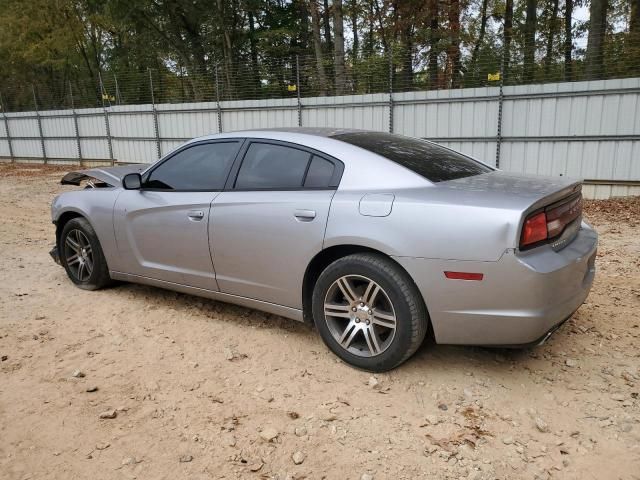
[573, 188]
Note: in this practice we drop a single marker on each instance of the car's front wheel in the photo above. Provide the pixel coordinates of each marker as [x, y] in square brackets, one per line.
[369, 312]
[81, 255]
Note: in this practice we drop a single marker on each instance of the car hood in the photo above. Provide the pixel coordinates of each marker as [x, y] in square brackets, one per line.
[109, 175]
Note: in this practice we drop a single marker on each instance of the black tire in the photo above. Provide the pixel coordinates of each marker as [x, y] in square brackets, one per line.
[98, 276]
[411, 317]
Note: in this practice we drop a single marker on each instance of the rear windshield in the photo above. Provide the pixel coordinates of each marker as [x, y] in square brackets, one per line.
[433, 162]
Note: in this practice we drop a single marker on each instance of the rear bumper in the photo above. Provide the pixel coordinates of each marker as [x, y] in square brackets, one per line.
[521, 298]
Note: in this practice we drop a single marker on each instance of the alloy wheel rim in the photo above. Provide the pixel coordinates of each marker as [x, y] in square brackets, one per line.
[78, 254]
[360, 315]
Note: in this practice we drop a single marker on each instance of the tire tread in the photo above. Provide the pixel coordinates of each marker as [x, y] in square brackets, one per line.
[102, 278]
[409, 291]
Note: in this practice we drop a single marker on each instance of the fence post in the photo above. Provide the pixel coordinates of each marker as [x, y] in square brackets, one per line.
[106, 120]
[218, 101]
[118, 96]
[42, 146]
[75, 124]
[6, 129]
[156, 130]
[298, 90]
[499, 126]
[390, 92]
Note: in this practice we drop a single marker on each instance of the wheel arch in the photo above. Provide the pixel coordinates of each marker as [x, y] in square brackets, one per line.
[329, 255]
[68, 215]
[64, 218]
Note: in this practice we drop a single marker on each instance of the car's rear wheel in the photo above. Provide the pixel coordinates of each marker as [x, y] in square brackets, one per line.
[369, 312]
[81, 255]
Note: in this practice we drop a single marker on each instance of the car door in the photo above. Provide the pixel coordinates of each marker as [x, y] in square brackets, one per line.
[270, 220]
[162, 229]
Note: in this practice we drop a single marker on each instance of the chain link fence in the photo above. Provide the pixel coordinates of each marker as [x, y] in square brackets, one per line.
[325, 75]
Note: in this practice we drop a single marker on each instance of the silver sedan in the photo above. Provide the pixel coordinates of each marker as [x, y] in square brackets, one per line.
[374, 238]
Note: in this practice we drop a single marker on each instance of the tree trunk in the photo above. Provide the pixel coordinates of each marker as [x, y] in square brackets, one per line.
[227, 50]
[634, 17]
[595, 42]
[530, 40]
[304, 25]
[353, 13]
[327, 25]
[406, 68]
[568, 41]
[255, 74]
[553, 24]
[453, 51]
[317, 45]
[483, 29]
[434, 37]
[338, 50]
[634, 35]
[381, 27]
[508, 35]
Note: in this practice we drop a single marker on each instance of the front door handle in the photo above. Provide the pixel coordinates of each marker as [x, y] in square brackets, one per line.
[305, 215]
[196, 214]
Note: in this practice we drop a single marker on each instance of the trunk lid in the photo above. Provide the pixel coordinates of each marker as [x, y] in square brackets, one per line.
[508, 190]
[559, 198]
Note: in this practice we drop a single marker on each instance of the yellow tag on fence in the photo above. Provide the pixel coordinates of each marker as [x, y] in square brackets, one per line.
[493, 77]
[292, 88]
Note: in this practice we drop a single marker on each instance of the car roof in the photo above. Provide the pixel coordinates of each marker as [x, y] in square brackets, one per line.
[276, 133]
[363, 167]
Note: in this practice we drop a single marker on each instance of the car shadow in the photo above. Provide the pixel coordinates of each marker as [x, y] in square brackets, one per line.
[430, 355]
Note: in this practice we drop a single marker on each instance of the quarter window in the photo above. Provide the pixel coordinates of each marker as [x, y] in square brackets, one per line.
[199, 168]
[320, 173]
[272, 166]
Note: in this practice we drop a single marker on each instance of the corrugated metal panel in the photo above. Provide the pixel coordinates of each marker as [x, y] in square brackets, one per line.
[168, 146]
[582, 129]
[187, 124]
[27, 148]
[608, 191]
[61, 149]
[4, 142]
[132, 125]
[23, 127]
[483, 151]
[440, 115]
[58, 127]
[92, 126]
[95, 148]
[138, 151]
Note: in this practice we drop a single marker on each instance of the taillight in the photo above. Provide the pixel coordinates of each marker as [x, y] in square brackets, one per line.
[534, 229]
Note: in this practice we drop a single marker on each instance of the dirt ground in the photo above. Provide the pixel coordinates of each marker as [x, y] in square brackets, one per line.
[201, 389]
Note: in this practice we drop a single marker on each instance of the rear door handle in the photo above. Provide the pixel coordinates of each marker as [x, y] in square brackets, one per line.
[196, 214]
[305, 215]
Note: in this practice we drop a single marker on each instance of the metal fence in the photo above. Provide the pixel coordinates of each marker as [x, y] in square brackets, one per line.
[580, 129]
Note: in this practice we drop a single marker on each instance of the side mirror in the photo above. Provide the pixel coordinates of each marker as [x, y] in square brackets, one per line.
[132, 181]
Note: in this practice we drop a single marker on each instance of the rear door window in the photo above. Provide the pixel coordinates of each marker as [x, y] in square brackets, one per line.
[271, 166]
[433, 162]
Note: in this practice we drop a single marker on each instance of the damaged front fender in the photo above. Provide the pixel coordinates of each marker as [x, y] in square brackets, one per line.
[101, 177]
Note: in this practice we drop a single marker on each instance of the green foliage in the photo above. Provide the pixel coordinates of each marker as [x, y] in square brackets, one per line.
[112, 50]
